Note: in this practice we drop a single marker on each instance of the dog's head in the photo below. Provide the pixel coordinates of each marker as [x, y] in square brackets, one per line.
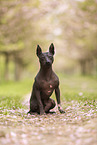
[46, 59]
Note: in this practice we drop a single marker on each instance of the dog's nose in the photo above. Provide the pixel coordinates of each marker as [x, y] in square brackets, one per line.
[48, 63]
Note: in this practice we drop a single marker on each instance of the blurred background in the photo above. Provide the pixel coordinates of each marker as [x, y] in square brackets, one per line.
[70, 24]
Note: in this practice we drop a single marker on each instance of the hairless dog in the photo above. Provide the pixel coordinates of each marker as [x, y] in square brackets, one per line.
[46, 81]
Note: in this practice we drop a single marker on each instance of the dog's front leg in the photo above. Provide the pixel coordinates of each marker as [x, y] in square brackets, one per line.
[57, 92]
[38, 97]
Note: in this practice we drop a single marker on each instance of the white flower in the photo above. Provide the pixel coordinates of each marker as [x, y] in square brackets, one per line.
[80, 94]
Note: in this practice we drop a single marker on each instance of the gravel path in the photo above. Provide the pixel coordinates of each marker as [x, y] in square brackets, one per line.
[78, 126]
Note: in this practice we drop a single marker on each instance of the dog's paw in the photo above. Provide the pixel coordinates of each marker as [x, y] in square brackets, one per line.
[42, 113]
[60, 109]
[30, 112]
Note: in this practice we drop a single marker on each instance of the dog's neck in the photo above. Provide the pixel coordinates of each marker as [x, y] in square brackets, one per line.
[46, 72]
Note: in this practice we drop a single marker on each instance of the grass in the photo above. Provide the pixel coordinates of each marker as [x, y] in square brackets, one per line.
[11, 93]
[78, 88]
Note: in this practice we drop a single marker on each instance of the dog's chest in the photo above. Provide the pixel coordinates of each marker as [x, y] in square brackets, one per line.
[47, 87]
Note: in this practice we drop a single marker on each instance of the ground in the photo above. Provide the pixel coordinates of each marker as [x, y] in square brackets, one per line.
[78, 126]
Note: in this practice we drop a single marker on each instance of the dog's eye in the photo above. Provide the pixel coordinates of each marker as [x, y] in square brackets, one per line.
[50, 57]
[42, 58]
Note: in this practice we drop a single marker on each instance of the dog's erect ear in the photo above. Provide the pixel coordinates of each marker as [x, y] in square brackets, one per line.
[38, 51]
[51, 49]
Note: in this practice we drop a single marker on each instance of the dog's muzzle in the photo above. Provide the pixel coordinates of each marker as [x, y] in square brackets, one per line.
[48, 63]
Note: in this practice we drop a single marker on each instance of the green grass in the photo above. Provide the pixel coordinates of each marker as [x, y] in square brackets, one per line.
[11, 93]
[78, 88]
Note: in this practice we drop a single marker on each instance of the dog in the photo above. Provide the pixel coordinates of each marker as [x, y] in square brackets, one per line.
[46, 81]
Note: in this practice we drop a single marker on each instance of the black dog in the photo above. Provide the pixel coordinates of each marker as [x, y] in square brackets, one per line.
[45, 83]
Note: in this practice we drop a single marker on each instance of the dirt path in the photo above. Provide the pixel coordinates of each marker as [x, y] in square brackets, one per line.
[78, 126]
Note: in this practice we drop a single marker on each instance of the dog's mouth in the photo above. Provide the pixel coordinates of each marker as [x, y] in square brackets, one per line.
[48, 64]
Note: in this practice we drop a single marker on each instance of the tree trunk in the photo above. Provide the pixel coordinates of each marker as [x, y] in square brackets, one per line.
[83, 67]
[90, 66]
[17, 68]
[6, 66]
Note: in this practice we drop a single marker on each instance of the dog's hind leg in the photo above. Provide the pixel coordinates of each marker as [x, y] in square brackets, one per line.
[50, 104]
